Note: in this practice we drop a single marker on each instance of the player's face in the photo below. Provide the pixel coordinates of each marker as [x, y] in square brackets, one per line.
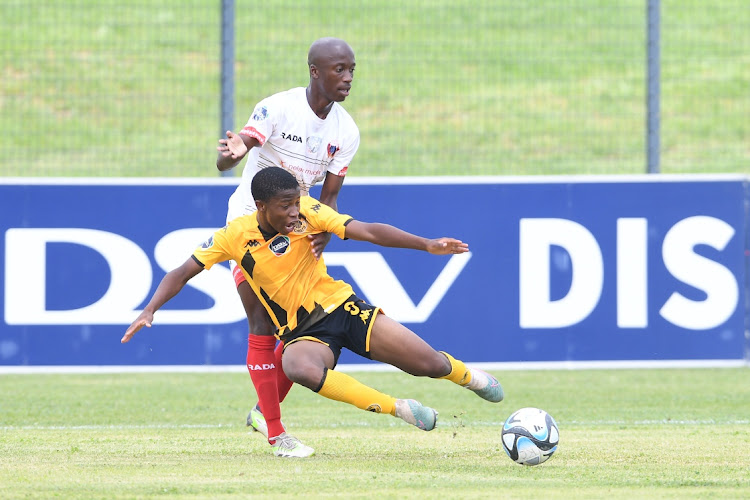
[282, 211]
[336, 73]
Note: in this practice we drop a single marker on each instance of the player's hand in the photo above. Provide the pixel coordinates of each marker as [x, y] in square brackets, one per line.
[144, 319]
[447, 246]
[318, 243]
[233, 146]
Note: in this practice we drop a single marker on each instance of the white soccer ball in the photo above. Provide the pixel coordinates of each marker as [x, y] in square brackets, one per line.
[530, 436]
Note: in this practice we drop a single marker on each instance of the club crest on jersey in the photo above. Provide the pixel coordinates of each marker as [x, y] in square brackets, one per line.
[300, 226]
[332, 148]
[313, 144]
[260, 114]
[208, 243]
[279, 245]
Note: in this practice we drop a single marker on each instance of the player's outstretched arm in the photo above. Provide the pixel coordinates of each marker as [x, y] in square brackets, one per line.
[329, 195]
[170, 286]
[389, 236]
[233, 149]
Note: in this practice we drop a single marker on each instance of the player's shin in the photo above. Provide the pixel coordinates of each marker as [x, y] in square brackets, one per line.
[261, 364]
[282, 381]
[460, 373]
[482, 383]
[341, 387]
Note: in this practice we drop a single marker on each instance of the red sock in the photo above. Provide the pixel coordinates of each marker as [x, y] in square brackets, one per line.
[283, 383]
[261, 364]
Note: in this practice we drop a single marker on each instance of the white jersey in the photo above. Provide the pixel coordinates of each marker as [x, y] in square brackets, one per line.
[294, 138]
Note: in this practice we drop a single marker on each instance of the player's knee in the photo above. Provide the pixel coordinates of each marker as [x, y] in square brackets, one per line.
[303, 373]
[434, 366]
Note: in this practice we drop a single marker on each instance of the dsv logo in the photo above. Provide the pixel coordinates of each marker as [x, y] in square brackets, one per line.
[131, 280]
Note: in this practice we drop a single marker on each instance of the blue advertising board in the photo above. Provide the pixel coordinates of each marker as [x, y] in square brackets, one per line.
[560, 269]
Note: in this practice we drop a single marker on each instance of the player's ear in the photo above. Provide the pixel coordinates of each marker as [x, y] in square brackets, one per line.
[260, 205]
[313, 71]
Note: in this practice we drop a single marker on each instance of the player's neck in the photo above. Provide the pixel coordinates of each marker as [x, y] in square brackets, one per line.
[321, 107]
[266, 229]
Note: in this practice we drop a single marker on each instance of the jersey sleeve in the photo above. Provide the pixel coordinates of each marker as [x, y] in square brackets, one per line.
[217, 248]
[349, 146]
[260, 125]
[323, 218]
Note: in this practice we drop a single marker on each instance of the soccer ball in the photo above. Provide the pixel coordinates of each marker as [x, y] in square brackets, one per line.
[530, 436]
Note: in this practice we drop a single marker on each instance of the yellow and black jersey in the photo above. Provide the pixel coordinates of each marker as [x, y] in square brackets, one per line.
[295, 289]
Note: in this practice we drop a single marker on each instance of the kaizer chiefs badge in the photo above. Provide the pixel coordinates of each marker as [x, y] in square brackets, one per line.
[300, 226]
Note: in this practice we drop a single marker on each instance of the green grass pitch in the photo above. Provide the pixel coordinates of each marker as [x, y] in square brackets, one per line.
[670, 433]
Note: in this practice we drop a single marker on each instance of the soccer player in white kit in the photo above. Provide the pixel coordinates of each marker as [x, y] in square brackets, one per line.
[308, 133]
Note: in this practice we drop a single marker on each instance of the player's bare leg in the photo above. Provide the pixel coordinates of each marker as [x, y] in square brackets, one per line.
[393, 343]
[310, 363]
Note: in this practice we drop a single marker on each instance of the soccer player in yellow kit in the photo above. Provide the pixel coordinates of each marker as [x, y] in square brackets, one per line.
[316, 315]
[306, 131]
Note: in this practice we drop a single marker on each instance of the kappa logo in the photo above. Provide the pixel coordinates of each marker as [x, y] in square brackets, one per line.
[291, 137]
[375, 408]
[279, 245]
[252, 243]
[315, 208]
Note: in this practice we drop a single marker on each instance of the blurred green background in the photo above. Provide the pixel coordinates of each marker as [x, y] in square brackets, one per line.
[443, 87]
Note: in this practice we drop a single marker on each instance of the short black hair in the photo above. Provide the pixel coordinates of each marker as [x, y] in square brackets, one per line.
[270, 181]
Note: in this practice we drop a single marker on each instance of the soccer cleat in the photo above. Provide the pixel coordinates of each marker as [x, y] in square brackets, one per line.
[414, 413]
[257, 421]
[285, 445]
[485, 386]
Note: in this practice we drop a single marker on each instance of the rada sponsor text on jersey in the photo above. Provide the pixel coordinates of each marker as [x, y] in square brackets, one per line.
[291, 137]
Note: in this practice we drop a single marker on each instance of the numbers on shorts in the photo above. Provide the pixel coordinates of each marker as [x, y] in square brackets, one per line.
[354, 310]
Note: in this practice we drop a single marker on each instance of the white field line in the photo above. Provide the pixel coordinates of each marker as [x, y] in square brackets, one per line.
[378, 367]
[458, 422]
[111, 427]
